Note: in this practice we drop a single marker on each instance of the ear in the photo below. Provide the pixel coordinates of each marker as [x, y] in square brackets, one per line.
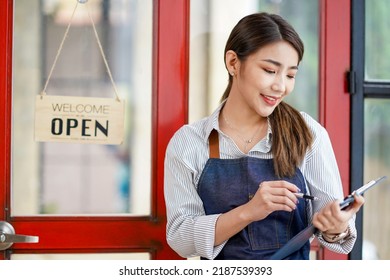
[232, 62]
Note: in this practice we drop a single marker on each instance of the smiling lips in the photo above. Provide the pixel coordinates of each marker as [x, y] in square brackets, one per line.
[270, 100]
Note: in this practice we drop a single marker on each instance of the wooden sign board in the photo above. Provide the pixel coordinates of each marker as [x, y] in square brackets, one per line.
[79, 119]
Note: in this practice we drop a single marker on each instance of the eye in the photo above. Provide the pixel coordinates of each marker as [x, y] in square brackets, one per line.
[269, 71]
[291, 77]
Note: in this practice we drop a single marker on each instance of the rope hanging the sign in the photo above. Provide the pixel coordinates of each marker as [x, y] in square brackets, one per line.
[99, 44]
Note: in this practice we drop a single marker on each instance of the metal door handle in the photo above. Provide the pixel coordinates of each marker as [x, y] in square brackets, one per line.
[8, 236]
[17, 238]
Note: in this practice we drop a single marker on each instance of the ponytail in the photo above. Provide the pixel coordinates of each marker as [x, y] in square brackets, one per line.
[291, 138]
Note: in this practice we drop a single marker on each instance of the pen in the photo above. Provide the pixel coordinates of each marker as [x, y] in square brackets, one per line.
[305, 196]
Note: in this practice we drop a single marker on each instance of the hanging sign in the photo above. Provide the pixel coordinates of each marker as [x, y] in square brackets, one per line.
[79, 119]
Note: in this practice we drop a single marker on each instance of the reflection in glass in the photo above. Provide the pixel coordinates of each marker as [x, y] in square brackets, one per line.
[211, 23]
[65, 179]
[376, 217]
[377, 52]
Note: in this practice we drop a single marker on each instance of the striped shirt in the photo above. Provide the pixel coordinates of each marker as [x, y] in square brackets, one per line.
[190, 232]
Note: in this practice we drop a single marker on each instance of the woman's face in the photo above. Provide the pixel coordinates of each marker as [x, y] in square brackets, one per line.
[264, 78]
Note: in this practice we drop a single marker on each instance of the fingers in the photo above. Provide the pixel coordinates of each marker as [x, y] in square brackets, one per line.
[329, 217]
[356, 205]
[332, 219]
[319, 223]
[280, 185]
[330, 225]
[359, 201]
[279, 202]
[278, 195]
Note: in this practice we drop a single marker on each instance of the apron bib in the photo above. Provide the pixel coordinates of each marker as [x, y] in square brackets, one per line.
[228, 183]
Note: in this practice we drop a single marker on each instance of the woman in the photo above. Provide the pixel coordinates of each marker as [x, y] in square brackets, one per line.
[231, 179]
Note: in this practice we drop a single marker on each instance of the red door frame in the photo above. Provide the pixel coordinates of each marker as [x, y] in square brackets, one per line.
[108, 234]
[6, 12]
[335, 61]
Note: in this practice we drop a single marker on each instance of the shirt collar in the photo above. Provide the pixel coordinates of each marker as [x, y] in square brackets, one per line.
[212, 121]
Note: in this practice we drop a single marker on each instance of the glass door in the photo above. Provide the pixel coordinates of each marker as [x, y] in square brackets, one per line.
[87, 199]
[370, 123]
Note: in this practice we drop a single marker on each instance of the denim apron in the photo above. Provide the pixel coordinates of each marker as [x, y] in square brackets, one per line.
[228, 183]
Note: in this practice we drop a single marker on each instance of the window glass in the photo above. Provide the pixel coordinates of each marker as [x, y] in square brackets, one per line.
[377, 47]
[211, 23]
[65, 179]
[376, 243]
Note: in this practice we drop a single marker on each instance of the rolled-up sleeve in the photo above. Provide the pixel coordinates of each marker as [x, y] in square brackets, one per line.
[190, 232]
[323, 180]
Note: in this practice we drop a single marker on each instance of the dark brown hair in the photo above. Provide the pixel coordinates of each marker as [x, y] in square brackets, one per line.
[290, 135]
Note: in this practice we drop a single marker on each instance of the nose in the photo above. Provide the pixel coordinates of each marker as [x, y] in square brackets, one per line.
[279, 84]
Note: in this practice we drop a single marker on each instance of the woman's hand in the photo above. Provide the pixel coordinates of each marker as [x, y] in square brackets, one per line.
[332, 220]
[271, 196]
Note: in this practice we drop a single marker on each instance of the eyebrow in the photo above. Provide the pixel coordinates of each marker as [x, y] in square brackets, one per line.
[277, 63]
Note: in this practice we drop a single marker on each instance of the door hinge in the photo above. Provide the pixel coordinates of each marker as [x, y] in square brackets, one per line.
[351, 80]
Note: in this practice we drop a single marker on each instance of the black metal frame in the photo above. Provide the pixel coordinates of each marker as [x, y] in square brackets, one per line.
[357, 111]
[361, 89]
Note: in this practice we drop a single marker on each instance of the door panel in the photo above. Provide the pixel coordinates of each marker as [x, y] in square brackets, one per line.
[88, 227]
[371, 114]
[79, 179]
[376, 163]
[376, 43]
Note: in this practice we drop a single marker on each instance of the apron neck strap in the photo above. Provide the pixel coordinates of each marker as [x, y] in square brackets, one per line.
[214, 144]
